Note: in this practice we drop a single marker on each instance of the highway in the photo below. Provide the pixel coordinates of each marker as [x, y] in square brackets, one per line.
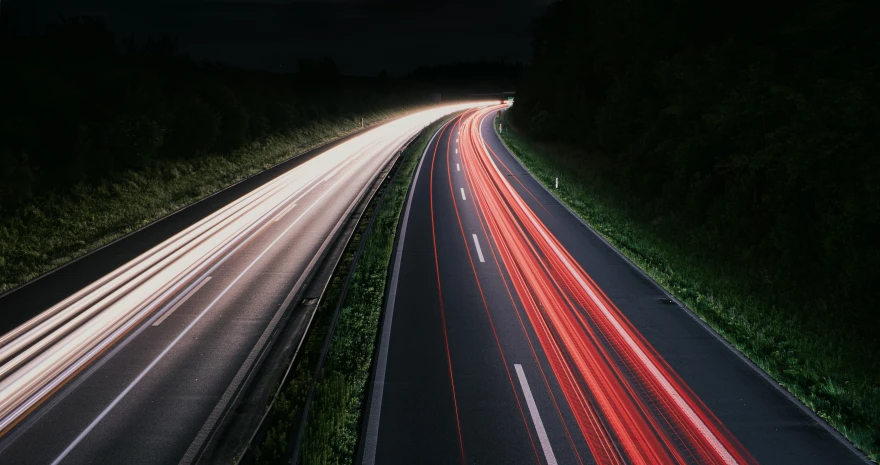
[137, 363]
[513, 333]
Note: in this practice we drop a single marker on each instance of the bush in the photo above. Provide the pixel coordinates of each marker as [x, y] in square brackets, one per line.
[133, 140]
[16, 179]
[195, 129]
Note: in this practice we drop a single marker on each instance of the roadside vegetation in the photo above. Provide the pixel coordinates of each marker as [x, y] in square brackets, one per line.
[98, 139]
[732, 155]
[333, 426]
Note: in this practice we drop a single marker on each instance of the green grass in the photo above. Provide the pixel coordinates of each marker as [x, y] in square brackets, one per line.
[331, 433]
[57, 228]
[834, 376]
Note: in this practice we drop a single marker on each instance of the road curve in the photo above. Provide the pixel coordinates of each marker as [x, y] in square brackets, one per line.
[515, 334]
[132, 367]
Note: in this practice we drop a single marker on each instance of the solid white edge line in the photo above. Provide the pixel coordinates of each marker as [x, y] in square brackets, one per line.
[371, 441]
[180, 336]
[536, 416]
[462, 194]
[181, 301]
[479, 250]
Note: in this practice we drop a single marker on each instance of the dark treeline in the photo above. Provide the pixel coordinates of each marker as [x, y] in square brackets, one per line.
[79, 105]
[749, 130]
[480, 77]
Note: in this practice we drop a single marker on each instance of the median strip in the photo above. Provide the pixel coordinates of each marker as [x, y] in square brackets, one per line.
[331, 429]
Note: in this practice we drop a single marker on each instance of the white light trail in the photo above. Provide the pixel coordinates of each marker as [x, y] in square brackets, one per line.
[43, 353]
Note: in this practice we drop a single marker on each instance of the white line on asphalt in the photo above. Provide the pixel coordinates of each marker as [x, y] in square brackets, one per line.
[181, 301]
[458, 167]
[283, 212]
[479, 250]
[186, 330]
[536, 416]
[462, 194]
[456, 139]
[456, 150]
[372, 436]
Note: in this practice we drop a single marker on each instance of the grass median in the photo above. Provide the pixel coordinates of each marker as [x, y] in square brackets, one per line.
[332, 430]
[54, 229]
[829, 372]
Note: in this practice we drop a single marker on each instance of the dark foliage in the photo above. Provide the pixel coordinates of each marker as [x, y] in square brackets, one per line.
[480, 77]
[78, 107]
[748, 129]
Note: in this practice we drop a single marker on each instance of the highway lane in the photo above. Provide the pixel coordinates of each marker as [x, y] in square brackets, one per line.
[133, 367]
[500, 287]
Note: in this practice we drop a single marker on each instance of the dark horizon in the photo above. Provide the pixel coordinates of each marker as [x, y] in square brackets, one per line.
[363, 37]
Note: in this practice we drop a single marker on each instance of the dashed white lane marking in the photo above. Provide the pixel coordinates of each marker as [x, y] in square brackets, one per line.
[536, 416]
[462, 194]
[479, 250]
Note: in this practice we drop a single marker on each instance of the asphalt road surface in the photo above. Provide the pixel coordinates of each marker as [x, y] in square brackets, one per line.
[515, 334]
[135, 366]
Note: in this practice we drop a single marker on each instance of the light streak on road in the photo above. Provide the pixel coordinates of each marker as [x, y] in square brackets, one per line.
[629, 404]
[41, 355]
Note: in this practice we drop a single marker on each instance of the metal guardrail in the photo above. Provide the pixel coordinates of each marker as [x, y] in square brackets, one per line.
[364, 200]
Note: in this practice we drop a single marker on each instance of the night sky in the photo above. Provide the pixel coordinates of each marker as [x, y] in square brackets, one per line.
[362, 36]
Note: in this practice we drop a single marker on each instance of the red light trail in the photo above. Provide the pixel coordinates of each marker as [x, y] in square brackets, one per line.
[628, 403]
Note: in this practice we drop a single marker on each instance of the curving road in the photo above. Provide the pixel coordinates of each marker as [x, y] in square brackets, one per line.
[139, 364]
[515, 334]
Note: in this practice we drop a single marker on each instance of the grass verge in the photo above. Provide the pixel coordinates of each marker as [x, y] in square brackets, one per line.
[332, 430]
[56, 228]
[813, 361]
